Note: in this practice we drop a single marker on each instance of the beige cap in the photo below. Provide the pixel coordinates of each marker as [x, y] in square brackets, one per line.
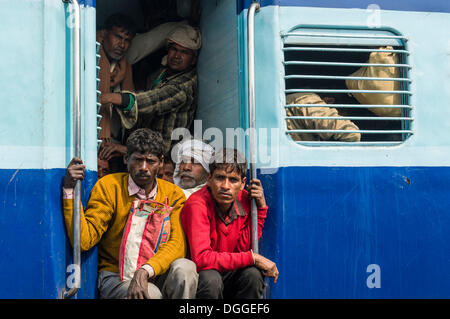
[186, 36]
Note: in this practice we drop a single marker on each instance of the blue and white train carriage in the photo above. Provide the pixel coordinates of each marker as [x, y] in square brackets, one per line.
[365, 219]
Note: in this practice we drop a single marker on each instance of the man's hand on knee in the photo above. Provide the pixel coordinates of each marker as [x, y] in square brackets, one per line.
[267, 267]
[138, 288]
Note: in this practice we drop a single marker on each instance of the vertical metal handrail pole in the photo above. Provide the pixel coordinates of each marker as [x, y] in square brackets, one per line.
[251, 113]
[77, 147]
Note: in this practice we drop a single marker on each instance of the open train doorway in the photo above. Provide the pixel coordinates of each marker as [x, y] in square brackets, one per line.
[218, 99]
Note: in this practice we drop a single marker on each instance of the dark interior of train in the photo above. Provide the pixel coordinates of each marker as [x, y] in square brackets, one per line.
[148, 14]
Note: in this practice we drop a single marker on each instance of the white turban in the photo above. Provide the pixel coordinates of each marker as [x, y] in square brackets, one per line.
[196, 149]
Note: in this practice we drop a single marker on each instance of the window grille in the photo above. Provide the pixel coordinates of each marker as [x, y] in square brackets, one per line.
[322, 61]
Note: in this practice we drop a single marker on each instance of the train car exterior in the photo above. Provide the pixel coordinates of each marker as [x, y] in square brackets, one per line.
[37, 145]
[346, 220]
[363, 220]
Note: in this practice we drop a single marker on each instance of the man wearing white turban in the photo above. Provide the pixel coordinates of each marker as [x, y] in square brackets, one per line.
[192, 165]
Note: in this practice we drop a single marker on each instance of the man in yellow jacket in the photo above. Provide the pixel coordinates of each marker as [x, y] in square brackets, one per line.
[167, 274]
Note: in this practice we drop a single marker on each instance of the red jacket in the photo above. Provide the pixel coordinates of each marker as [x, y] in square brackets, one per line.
[213, 244]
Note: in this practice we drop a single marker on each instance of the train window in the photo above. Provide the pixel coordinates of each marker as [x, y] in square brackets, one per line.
[347, 86]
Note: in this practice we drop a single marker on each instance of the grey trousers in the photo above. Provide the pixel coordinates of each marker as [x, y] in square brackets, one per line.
[179, 282]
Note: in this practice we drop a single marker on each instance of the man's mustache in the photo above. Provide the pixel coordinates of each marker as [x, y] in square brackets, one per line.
[143, 175]
[186, 174]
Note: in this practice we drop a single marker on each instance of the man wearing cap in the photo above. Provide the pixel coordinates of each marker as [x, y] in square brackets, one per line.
[170, 101]
[192, 165]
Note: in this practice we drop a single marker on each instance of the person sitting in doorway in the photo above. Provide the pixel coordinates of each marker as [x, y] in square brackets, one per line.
[113, 198]
[217, 223]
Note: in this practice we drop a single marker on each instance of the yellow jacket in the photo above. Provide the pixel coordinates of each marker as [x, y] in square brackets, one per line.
[106, 215]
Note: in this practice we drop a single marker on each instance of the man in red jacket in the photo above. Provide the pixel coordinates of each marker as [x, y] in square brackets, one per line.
[217, 223]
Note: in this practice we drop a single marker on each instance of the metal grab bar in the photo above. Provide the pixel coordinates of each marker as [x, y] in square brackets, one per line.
[251, 113]
[73, 288]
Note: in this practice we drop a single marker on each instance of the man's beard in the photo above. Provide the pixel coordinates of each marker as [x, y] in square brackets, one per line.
[191, 182]
[114, 57]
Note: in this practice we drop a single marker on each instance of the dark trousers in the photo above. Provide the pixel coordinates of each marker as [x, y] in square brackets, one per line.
[245, 283]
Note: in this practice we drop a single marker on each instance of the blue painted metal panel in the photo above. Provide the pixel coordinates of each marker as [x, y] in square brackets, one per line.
[39, 122]
[33, 243]
[36, 146]
[218, 90]
[402, 5]
[327, 224]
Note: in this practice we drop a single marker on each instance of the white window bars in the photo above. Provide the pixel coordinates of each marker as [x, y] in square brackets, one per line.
[359, 74]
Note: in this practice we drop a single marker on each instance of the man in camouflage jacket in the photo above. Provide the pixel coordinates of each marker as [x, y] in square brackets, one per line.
[171, 100]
